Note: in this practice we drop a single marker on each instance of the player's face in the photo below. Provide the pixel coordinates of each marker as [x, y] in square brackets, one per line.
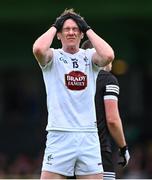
[70, 34]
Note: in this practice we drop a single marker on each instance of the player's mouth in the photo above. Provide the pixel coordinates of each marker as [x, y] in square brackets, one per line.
[71, 38]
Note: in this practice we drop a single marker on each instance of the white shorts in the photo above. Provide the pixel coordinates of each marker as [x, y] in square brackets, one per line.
[69, 153]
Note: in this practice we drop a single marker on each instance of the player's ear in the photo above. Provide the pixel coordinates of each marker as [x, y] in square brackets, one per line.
[82, 36]
[58, 36]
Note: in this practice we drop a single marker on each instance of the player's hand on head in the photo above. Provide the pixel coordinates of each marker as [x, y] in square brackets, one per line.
[80, 22]
[124, 156]
[60, 21]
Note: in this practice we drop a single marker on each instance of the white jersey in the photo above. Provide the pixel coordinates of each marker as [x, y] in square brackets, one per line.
[70, 81]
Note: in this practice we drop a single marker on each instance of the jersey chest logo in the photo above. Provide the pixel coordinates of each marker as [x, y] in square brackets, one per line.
[76, 80]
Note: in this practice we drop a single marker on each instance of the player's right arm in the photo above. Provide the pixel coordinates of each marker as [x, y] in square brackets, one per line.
[41, 47]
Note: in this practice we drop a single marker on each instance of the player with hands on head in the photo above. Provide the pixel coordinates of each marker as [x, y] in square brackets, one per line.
[69, 73]
[108, 119]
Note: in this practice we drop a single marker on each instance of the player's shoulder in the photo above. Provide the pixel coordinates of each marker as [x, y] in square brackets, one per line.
[57, 51]
[106, 76]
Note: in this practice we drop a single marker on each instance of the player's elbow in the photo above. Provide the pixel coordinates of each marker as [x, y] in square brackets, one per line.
[112, 121]
[37, 50]
[110, 56]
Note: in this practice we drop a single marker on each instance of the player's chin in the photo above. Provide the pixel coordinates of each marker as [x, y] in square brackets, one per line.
[71, 43]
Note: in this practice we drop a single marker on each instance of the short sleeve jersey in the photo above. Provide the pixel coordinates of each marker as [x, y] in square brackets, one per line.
[107, 88]
[70, 81]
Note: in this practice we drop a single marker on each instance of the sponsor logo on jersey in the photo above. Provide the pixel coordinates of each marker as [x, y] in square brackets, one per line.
[76, 80]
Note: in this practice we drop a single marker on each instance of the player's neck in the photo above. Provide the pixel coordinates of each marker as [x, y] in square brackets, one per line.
[71, 49]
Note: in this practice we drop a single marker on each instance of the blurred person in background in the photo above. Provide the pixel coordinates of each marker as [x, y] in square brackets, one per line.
[108, 119]
[70, 74]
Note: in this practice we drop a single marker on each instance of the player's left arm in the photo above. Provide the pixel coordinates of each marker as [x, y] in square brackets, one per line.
[104, 53]
[113, 119]
[115, 127]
